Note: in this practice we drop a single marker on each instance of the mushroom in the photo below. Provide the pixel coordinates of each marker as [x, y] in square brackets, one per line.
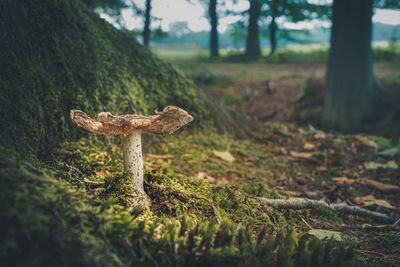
[131, 127]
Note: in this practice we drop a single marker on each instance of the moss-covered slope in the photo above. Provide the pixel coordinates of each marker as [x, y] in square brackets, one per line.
[48, 222]
[58, 55]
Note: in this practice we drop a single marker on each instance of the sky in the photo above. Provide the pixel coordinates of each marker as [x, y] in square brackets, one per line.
[193, 12]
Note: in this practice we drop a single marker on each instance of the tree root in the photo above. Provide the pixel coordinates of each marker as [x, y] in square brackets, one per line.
[341, 208]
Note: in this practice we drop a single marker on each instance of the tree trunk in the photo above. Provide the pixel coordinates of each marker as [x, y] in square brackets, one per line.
[273, 28]
[253, 43]
[214, 28]
[351, 95]
[146, 30]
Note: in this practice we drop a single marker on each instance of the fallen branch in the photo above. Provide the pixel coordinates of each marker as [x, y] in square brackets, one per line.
[341, 208]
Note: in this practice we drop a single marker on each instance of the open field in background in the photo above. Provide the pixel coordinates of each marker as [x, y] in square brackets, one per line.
[271, 88]
[317, 52]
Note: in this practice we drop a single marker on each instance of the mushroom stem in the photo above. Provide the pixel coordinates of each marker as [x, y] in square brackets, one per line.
[131, 127]
[133, 163]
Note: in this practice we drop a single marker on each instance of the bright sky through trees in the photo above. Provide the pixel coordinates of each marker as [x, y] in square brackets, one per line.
[193, 13]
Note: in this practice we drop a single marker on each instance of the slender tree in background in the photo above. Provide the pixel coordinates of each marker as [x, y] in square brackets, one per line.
[147, 19]
[253, 40]
[212, 11]
[272, 26]
[351, 94]
[291, 11]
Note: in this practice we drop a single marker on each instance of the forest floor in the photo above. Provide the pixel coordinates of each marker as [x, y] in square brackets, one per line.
[215, 176]
[283, 161]
[298, 160]
[280, 92]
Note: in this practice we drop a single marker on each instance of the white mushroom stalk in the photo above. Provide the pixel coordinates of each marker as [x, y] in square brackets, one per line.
[131, 128]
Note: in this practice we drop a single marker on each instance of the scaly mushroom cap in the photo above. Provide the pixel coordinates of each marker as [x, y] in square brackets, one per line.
[167, 121]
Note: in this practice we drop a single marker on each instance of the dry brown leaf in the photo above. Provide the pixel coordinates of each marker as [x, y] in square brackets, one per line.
[152, 165]
[99, 173]
[321, 168]
[381, 186]
[92, 155]
[364, 141]
[279, 150]
[304, 155]
[233, 176]
[308, 146]
[101, 163]
[225, 155]
[154, 156]
[206, 177]
[302, 131]
[230, 178]
[361, 200]
[320, 135]
[343, 180]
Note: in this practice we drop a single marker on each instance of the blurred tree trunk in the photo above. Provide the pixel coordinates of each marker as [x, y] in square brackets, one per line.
[351, 95]
[272, 27]
[253, 43]
[214, 28]
[146, 30]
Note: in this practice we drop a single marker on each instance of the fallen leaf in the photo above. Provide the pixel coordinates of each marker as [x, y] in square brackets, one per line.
[99, 173]
[343, 180]
[225, 155]
[380, 202]
[154, 156]
[364, 141]
[381, 186]
[279, 150]
[361, 200]
[206, 177]
[321, 168]
[304, 155]
[232, 176]
[374, 165]
[101, 163]
[281, 126]
[308, 146]
[320, 135]
[390, 152]
[302, 131]
[223, 180]
[326, 234]
[92, 155]
[152, 165]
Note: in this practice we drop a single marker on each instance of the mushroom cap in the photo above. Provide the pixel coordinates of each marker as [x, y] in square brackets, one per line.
[165, 122]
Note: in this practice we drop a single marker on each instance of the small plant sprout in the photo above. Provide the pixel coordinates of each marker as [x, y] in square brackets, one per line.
[131, 128]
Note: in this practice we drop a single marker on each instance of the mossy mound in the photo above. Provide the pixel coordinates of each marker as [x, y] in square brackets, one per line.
[59, 55]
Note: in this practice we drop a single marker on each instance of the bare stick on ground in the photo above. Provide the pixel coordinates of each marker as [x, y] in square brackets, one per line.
[340, 208]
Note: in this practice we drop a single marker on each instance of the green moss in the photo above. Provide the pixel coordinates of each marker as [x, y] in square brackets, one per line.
[327, 215]
[50, 222]
[60, 55]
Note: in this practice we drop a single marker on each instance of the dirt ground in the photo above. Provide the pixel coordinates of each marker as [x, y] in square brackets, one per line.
[286, 92]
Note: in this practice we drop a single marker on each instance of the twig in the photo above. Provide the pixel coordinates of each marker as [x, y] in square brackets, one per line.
[306, 223]
[375, 253]
[341, 208]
